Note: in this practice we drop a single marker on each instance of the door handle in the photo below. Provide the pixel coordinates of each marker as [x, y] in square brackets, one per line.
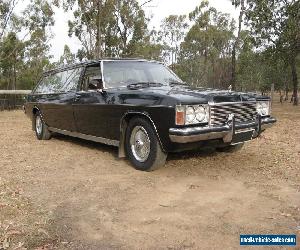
[77, 97]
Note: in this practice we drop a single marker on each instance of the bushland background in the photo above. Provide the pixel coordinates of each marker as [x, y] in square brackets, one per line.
[67, 193]
[205, 47]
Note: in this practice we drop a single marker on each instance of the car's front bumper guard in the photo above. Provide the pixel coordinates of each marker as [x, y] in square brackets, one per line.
[226, 132]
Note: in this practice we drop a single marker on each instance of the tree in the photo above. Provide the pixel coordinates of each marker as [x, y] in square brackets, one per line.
[276, 24]
[38, 20]
[107, 28]
[25, 55]
[172, 32]
[6, 15]
[67, 56]
[206, 49]
[9, 69]
[236, 3]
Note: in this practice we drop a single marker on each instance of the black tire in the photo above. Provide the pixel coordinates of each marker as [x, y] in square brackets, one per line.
[42, 132]
[156, 157]
[231, 148]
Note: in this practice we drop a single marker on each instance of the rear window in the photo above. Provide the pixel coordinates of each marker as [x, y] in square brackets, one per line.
[64, 81]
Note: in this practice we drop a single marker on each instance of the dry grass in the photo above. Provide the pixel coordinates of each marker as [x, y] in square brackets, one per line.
[71, 194]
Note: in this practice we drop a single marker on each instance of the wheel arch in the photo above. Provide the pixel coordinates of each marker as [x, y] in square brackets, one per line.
[123, 127]
[35, 110]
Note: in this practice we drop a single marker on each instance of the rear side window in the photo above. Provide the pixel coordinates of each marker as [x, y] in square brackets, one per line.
[64, 81]
[91, 72]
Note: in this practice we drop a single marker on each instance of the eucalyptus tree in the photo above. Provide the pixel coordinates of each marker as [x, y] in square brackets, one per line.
[241, 4]
[24, 46]
[10, 67]
[172, 32]
[206, 49]
[11, 48]
[67, 56]
[7, 15]
[257, 69]
[276, 25]
[107, 28]
[37, 21]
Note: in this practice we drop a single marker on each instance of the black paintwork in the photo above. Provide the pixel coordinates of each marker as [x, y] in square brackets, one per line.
[101, 114]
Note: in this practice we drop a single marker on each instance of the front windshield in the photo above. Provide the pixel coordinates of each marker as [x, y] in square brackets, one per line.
[124, 73]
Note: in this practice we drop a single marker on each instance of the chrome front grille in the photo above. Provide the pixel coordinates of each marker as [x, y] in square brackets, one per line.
[243, 112]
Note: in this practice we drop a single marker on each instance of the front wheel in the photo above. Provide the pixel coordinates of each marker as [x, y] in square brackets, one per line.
[142, 146]
[41, 129]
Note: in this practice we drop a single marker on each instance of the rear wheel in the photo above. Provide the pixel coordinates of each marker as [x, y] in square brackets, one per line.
[143, 147]
[231, 148]
[41, 129]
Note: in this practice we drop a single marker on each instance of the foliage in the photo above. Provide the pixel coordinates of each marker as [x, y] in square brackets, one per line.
[205, 52]
[67, 56]
[276, 25]
[173, 29]
[24, 59]
[108, 28]
[204, 47]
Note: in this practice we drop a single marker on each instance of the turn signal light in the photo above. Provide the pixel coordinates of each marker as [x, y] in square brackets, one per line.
[180, 115]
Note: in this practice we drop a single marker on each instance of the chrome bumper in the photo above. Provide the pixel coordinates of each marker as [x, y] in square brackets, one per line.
[226, 132]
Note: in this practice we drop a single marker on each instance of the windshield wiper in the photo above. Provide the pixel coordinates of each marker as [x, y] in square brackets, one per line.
[140, 85]
[176, 83]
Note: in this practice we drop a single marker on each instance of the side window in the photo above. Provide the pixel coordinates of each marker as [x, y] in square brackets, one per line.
[91, 73]
[63, 81]
[45, 85]
[69, 80]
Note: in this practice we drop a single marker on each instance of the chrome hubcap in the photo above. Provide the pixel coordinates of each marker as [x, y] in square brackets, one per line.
[140, 144]
[38, 124]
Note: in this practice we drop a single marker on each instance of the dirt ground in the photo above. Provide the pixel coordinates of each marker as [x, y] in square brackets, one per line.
[68, 193]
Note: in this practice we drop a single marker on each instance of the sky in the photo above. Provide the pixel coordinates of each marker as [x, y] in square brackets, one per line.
[158, 9]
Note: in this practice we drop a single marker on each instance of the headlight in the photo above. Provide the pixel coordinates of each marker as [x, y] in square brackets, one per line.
[191, 114]
[263, 108]
[201, 114]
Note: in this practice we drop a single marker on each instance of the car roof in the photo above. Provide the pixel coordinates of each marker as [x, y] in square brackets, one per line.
[91, 62]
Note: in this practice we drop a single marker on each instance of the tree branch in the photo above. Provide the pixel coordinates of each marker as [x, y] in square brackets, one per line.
[143, 4]
[12, 5]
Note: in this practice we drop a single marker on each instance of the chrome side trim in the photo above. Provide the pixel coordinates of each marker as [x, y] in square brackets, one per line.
[130, 60]
[102, 74]
[86, 137]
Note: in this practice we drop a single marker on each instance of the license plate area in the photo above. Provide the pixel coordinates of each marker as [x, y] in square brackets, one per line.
[242, 136]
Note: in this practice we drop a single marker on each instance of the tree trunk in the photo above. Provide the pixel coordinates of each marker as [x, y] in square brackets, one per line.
[233, 58]
[295, 80]
[233, 67]
[98, 49]
[286, 92]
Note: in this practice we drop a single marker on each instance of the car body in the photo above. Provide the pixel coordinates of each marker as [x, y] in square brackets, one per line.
[141, 106]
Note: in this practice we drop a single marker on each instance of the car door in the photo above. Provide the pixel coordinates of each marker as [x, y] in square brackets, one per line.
[89, 104]
[57, 96]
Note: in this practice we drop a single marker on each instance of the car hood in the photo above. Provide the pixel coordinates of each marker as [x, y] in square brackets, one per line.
[187, 94]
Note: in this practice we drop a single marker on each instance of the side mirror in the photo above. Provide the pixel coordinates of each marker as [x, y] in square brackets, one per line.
[96, 84]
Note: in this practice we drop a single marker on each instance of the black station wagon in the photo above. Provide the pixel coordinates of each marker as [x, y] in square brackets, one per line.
[144, 109]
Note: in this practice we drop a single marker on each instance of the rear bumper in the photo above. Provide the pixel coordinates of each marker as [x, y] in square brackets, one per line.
[226, 132]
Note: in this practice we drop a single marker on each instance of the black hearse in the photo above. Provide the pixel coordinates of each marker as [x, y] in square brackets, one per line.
[143, 108]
